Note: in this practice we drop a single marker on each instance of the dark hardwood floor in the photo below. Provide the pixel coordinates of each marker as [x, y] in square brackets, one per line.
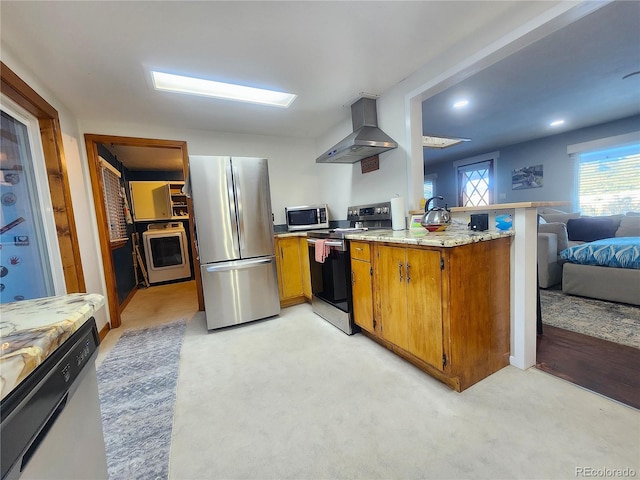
[604, 367]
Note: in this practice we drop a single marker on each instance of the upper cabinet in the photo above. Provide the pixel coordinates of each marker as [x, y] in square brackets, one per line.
[158, 200]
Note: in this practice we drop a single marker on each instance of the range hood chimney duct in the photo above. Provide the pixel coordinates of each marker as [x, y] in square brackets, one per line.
[366, 140]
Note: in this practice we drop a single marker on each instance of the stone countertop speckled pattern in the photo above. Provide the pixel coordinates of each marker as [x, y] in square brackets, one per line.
[452, 237]
[291, 234]
[31, 330]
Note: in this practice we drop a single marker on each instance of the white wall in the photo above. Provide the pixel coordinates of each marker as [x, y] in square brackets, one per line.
[401, 170]
[295, 177]
[81, 195]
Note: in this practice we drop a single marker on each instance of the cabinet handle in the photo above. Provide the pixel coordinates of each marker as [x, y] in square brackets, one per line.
[281, 253]
[400, 270]
[353, 278]
[408, 272]
[358, 249]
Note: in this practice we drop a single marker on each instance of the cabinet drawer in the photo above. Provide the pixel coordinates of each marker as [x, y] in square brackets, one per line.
[360, 251]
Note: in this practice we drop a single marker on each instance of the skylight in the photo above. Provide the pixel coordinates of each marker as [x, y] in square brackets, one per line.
[197, 86]
[442, 142]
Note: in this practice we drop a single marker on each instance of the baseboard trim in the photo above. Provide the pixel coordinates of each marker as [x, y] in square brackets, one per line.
[103, 333]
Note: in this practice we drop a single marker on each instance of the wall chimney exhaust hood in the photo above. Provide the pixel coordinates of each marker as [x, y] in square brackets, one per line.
[366, 140]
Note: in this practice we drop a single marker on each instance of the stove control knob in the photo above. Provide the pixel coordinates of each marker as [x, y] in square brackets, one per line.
[378, 210]
[385, 209]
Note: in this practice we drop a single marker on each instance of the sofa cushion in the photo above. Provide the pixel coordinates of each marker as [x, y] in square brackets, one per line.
[588, 229]
[616, 219]
[559, 217]
[560, 229]
[629, 227]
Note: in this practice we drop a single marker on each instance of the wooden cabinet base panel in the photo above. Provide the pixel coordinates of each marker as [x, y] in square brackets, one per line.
[452, 381]
[290, 302]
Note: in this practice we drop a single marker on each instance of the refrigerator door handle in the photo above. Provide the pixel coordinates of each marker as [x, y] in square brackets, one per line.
[238, 265]
[236, 186]
[232, 206]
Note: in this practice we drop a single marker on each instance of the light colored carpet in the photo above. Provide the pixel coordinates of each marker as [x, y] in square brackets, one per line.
[295, 398]
[137, 385]
[610, 321]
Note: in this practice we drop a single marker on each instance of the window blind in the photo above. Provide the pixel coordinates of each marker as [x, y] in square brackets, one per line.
[113, 202]
[609, 181]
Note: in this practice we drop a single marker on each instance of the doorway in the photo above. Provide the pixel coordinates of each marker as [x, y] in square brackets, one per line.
[93, 141]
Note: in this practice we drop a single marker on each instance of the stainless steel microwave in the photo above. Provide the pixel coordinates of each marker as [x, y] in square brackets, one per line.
[307, 217]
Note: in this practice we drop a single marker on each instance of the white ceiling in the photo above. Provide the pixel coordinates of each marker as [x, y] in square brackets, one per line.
[94, 56]
[575, 73]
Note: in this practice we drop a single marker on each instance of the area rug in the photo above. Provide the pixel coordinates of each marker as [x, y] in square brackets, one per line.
[610, 321]
[137, 385]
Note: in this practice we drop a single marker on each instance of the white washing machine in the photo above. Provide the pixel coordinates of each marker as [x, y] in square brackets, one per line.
[165, 251]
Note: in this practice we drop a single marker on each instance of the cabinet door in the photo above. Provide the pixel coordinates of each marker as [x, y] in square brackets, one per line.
[362, 294]
[289, 264]
[424, 316]
[150, 200]
[392, 292]
[304, 267]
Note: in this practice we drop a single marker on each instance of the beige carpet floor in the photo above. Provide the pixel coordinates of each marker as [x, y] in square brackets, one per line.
[293, 397]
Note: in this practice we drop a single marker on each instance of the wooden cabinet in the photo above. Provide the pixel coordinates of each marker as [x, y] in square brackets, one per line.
[290, 270]
[445, 309]
[150, 200]
[304, 266]
[362, 285]
[158, 200]
[411, 308]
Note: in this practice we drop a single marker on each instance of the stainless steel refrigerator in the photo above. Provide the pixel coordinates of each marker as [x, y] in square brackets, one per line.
[234, 232]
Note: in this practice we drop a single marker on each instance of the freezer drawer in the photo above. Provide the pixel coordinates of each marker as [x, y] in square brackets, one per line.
[240, 291]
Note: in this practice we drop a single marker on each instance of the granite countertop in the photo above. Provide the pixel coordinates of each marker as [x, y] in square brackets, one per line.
[452, 237]
[302, 233]
[31, 330]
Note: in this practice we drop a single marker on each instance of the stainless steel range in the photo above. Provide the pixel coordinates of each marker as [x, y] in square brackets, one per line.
[330, 263]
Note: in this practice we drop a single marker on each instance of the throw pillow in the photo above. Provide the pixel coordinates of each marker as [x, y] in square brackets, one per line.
[588, 229]
[614, 218]
[560, 229]
[559, 217]
[629, 227]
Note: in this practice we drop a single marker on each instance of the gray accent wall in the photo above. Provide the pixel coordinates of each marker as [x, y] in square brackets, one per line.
[550, 152]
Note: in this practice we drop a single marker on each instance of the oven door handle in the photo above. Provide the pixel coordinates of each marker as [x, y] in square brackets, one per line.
[330, 243]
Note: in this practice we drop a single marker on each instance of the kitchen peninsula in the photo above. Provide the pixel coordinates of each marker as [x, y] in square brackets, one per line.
[50, 405]
[439, 300]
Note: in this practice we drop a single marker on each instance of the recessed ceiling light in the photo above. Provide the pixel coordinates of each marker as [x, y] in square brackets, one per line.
[556, 123]
[442, 142]
[461, 104]
[197, 86]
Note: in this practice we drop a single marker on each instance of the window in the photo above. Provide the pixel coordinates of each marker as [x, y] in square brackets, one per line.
[429, 185]
[113, 202]
[609, 180]
[474, 184]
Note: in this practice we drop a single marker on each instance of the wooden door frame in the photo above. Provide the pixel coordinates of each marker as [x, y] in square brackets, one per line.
[51, 136]
[91, 143]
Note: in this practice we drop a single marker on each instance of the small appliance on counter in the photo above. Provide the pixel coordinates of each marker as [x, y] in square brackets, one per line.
[307, 217]
[436, 219]
[479, 222]
[331, 278]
